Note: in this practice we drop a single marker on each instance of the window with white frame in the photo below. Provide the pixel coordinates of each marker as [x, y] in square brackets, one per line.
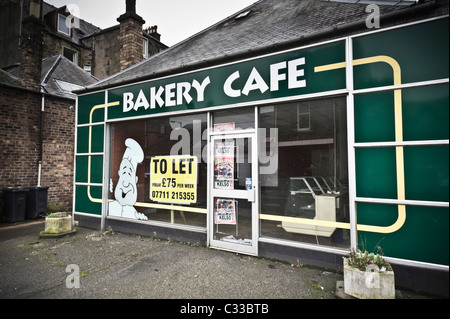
[64, 24]
[72, 55]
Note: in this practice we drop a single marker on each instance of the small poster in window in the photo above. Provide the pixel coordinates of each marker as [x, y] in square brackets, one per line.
[224, 127]
[225, 211]
[224, 165]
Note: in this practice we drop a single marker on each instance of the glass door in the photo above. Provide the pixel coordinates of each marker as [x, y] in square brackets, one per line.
[233, 196]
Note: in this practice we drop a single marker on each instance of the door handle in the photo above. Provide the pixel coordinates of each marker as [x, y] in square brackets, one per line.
[251, 195]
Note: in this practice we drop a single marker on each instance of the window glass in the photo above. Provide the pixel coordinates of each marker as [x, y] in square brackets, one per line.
[63, 24]
[232, 163]
[135, 188]
[303, 171]
[71, 55]
[234, 119]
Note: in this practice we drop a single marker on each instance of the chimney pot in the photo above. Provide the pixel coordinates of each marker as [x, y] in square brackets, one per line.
[131, 6]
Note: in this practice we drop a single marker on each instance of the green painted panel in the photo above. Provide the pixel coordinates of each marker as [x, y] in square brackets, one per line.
[425, 113]
[85, 105]
[322, 55]
[97, 137]
[375, 215]
[376, 172]
[426, 173]
[83, 203]
[423, 237]
[82, 169]
[421, 50]
[374, 117]
[277, 76]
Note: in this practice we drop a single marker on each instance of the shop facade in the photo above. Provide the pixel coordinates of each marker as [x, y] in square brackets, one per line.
[300, 155]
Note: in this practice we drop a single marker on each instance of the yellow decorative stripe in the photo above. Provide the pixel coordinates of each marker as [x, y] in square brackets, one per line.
[398, 137]
[330, 67]
[304, 221]
[173, 207]
[96, 107]
[314, 222]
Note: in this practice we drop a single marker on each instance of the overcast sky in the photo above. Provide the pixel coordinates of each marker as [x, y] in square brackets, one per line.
[176, 19]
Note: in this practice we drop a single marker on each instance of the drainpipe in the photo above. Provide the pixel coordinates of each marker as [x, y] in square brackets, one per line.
[41, 140]
[20, 23]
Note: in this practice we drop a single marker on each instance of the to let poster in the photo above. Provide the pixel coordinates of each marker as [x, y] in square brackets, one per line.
[173, 179]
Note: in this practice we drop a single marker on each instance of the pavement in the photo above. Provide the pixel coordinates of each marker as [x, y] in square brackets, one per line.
[115, 265]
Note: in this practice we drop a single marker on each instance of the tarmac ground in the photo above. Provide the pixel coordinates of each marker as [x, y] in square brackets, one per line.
[113, 265]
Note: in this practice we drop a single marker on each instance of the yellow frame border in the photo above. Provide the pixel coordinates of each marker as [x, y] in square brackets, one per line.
[399, 160]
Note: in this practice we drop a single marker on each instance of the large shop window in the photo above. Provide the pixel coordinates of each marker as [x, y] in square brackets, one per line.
[166, 152]
[304, 186]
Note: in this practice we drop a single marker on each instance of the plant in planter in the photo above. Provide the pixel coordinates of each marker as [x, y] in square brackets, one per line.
[368, 276]
[57, 224]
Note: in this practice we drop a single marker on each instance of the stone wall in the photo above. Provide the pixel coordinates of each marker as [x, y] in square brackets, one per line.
[105, 60]
[131, 42]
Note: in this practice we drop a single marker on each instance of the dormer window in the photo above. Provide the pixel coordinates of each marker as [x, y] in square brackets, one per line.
[64, 24]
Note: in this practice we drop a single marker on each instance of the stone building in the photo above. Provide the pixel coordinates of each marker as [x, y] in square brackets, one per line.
[102, 52]
[42, 61]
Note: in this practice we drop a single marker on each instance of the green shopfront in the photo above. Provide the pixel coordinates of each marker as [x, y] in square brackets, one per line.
[300, 155]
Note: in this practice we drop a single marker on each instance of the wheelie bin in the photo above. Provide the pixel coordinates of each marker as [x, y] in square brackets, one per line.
[14, 204]
[36, 202]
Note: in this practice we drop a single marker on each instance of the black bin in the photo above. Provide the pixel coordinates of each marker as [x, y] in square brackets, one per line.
[14, 204]
[36, 202]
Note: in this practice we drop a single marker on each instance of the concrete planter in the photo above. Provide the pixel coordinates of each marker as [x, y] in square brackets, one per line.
[369, 284]
[59, 224]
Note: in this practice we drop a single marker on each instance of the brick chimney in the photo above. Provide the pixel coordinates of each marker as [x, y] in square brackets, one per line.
[130, 37]
[153, 31]
[31, 46]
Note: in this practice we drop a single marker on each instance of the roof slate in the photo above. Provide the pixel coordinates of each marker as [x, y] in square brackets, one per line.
[61, 68]
[269, 24]
[53, 68]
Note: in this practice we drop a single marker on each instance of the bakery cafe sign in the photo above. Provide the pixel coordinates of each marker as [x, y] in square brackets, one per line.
[264, 79]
